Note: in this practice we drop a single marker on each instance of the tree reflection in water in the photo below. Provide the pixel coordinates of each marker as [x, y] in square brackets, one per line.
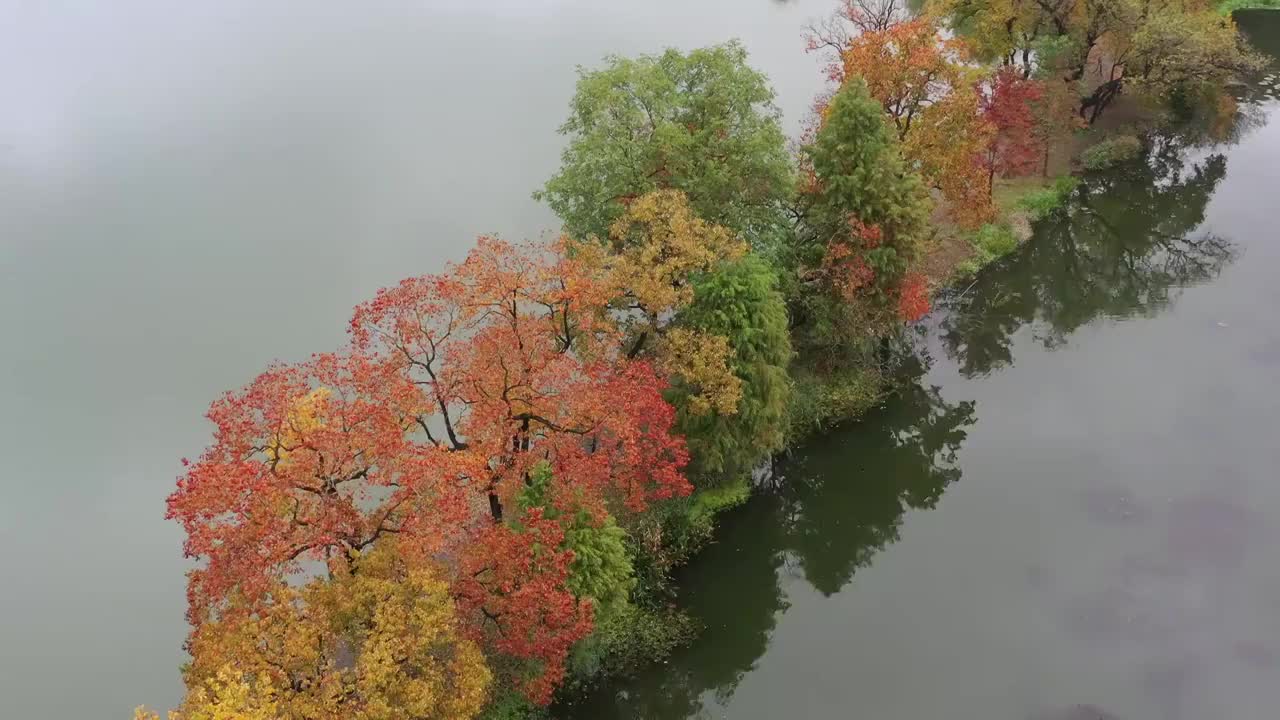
[843, 498]
[1125, 245]
[826, 514]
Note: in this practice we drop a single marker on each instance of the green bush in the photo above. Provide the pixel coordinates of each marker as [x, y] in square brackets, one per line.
[1229, 6]
[669, 534]
[966, 268]
[1040, 203]
[994, 240]
[507, 704]
[1111, 152]
[626, 640]
[819, 400]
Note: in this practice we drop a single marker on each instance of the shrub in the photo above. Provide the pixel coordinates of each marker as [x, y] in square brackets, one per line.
[1229, 6]
[1040, 203]
[1111, 152]
[994, 240]
[819, 400]
[626, 640]
[507, 704]
[966, 268]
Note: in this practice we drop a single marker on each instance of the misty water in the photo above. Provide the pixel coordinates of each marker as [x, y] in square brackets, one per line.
[1071, 508]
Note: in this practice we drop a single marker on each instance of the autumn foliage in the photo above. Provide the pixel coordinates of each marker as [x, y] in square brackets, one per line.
[865, 215]
[514, 362]
[927, 90]
[422, 432]
[1009, 105]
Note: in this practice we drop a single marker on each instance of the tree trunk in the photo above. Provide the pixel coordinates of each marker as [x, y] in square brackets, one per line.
[1092, 106]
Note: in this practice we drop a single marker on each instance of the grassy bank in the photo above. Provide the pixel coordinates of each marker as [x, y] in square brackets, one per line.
[957, 253]
[1230, 6]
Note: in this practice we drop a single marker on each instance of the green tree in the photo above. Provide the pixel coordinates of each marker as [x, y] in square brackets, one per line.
[601, 568]
[740, 301]
[703, 123]
[865, 216]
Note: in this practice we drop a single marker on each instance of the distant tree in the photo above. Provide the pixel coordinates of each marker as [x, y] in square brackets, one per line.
[1159, 47]
[703, 123]
[1008, 32]
[926, 89]
[1009, 106]
[1102, 47]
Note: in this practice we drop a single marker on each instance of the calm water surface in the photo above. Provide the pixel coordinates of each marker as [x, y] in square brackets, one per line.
[189, 190]
[1074, 506]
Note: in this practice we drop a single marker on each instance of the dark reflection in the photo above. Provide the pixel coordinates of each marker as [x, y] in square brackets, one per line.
[1262, 28]
[844, 497]
[826, 513]
[733, 589]
[1124, 246]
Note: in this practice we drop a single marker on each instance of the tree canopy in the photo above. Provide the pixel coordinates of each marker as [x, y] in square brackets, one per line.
[741, 303]
[925, 87]
[1103, 46]
[703, 123]
[865, 214]
[475, 494]
[382, 639]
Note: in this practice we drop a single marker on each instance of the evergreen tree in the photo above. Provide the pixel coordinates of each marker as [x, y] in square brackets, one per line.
[865, 218]
[740, 301]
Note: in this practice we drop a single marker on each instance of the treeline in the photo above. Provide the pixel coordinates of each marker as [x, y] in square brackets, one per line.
[479, 499]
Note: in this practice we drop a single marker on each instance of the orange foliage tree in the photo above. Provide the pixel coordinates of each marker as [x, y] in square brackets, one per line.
[927, 90]
[455, 386]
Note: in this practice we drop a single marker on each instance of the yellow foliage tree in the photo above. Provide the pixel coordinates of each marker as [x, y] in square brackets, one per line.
[701, 360]
[654, 253]
[947, 140]
[226, 696]
[382, 643]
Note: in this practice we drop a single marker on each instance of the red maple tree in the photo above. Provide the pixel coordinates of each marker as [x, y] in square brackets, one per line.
[1009, 105]
[309, 462]
[518, 364]
[454, 387]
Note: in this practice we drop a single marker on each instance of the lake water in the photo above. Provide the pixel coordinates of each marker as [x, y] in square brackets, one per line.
[1073, 506]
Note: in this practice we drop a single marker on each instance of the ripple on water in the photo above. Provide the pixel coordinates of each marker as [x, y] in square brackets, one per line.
[1112, 505]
